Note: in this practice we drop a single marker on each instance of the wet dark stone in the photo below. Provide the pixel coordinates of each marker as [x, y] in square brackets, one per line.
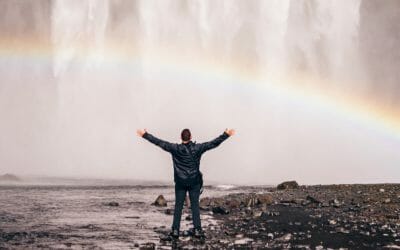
[112, 204]
[169, 211]
[220, 210]
[288, 185]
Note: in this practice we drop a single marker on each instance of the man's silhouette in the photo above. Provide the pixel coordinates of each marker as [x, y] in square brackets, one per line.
[186, 159]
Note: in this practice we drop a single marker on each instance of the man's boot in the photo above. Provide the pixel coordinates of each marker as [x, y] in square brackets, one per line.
[199, 233]
[174, 234]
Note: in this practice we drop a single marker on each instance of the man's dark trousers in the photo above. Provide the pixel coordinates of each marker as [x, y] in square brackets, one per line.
[180, 195]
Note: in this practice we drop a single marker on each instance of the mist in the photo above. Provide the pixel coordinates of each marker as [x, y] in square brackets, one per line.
[303, 83]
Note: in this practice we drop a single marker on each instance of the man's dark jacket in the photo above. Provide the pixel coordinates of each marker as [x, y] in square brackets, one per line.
[186, 157]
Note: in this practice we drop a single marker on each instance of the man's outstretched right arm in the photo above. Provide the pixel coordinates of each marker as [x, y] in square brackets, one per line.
[167, 146]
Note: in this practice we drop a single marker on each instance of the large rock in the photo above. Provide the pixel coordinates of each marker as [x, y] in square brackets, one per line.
[288, 185]
[264, 199]
[233, 203]
[160, 201]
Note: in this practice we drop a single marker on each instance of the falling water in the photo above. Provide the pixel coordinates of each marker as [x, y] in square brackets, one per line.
[108, 67]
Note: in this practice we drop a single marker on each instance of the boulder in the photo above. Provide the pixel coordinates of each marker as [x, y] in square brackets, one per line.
[264, 199]
[233, 203]
[160, 201]
[288, 185]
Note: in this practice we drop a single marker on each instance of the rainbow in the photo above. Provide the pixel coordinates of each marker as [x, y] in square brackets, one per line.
[210, 68]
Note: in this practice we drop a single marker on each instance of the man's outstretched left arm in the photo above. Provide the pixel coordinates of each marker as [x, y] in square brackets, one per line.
[167, 146]
[217, 141]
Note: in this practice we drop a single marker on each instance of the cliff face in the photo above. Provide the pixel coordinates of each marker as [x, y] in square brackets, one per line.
[9, 178]
[379, 37]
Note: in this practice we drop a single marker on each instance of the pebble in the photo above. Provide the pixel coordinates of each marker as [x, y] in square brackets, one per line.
[257, 214]
[224, 241]
[285, 238]
[169, 211]
[243, 241]
[342, 230]
[332, 222]
[392, 246]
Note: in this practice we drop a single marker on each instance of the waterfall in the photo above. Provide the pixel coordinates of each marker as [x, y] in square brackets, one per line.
[277, 37]
[78, 27]
[296, 78]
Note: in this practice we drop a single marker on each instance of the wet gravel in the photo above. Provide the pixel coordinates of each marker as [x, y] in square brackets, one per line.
[86, 217]
[308, 217]
[302, 217]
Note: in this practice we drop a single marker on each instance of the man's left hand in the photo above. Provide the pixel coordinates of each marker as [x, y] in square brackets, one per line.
[141, 132]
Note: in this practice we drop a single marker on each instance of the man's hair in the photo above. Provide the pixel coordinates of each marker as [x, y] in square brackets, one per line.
[185, 135]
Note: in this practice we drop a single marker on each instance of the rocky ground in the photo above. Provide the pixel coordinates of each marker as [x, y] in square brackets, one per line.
[301, 217]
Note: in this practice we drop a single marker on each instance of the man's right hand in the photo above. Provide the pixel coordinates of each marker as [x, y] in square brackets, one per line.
[141, 132]
[230, 132]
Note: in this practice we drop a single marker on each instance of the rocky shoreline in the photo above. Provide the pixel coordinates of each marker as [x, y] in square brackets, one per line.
[359, 216]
